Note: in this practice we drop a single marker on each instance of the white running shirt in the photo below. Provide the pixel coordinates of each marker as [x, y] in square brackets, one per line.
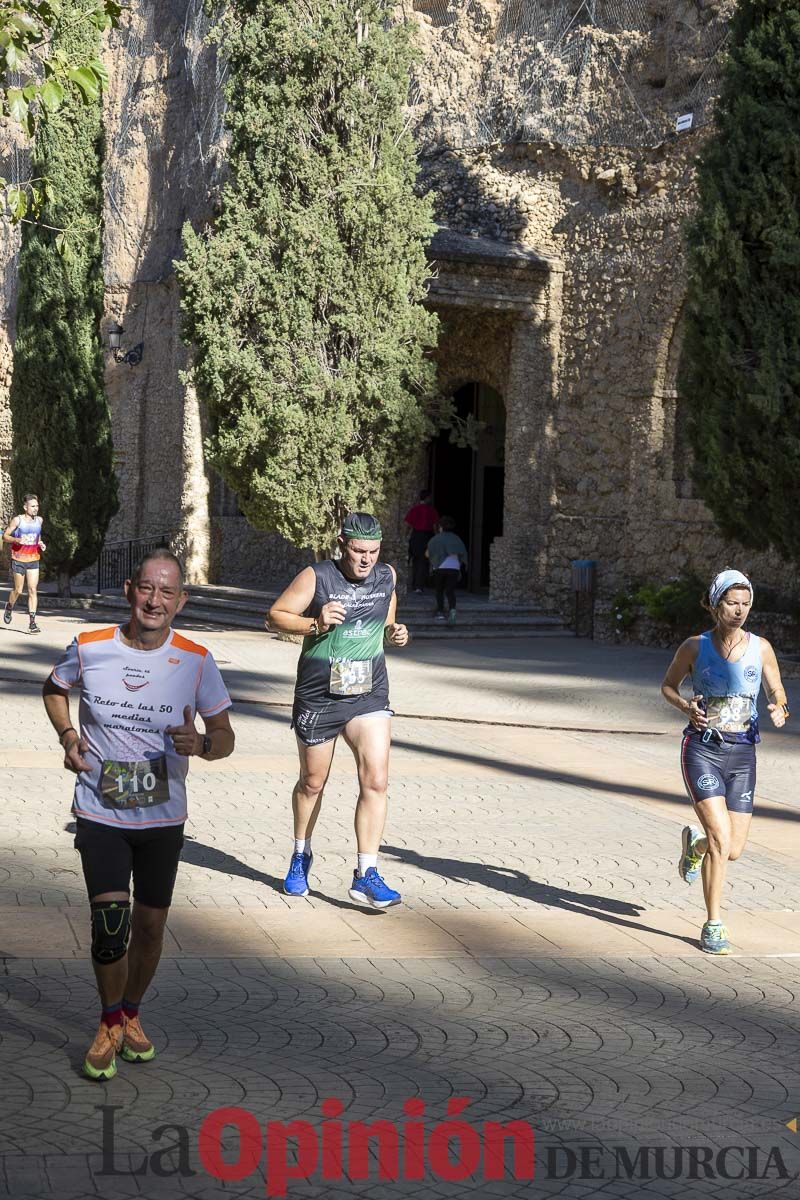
[128, 697]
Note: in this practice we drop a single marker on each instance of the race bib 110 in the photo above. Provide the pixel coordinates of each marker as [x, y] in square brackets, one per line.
[135, 784]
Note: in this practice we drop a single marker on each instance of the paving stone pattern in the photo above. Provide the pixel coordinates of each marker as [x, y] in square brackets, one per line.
[591, 1052]
[599, 1049]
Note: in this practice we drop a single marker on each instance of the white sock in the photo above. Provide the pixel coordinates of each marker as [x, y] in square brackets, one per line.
[365, 861]
[302, 845]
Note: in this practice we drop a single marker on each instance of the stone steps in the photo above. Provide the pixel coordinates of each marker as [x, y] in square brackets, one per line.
[241, 608]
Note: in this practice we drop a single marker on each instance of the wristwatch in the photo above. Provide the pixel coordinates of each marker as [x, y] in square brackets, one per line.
[206, 744]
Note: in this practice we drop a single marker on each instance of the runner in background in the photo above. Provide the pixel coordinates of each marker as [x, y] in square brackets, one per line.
[24, 534]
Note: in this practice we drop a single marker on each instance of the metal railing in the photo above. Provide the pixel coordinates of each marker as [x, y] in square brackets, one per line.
[118, 559]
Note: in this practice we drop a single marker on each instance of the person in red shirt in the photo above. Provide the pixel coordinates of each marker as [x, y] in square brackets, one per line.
[422, 519]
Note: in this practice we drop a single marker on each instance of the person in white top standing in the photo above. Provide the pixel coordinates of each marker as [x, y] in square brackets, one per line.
[140, 685]
[447, 555]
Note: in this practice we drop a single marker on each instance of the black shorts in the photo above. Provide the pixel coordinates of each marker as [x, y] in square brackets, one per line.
[323, 723]
[110, 856]
[22, 568]
[717, 768]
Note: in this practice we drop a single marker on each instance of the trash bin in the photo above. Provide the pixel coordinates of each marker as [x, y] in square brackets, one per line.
[584, 577]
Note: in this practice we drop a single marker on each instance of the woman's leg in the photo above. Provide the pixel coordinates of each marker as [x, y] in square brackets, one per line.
[716, 845]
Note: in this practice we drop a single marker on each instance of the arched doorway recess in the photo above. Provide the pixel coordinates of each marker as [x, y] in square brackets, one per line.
[467, 482]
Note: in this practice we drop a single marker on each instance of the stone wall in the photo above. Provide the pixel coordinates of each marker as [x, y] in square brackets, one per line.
[559, 280]
[596, 467]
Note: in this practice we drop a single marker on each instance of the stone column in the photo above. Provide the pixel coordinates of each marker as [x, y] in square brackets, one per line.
[519, 558]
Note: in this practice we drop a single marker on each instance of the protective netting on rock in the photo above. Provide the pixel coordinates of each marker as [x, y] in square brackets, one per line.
[574, 72]
[164, 118]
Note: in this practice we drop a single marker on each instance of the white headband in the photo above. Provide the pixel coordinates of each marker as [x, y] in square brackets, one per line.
[725, 580]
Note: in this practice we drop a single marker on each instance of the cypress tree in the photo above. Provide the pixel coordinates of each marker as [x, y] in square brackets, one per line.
[304, 303]
[60, 418]
[740, 368]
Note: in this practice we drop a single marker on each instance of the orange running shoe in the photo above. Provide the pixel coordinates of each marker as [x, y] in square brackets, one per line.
[101, 1061]
[136, 1045]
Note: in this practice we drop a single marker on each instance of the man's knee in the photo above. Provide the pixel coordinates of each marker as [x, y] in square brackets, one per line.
[111, 930]
[374, 779]
[735, 852]
[148, 927]
[311, 783]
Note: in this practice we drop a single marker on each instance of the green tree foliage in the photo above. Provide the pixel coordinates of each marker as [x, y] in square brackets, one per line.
[304, 304]
[61, 424]
[740, 369]
[37, 75]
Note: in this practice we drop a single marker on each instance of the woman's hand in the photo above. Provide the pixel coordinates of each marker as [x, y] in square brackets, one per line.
[697, 717]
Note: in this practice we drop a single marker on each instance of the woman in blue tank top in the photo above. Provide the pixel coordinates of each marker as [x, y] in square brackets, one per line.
[718, 750]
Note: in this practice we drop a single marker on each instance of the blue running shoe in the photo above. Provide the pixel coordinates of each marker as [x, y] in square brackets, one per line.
[714, 938]
[690, 861]
[371, 889]
[296, 881]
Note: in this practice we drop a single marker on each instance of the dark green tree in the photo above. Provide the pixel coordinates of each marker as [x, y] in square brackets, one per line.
[60, 418]
[36, 74]
[740, 368]
[304, 303]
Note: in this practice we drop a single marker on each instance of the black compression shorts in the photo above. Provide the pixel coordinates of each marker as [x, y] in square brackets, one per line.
[717, 768]
[110, 856]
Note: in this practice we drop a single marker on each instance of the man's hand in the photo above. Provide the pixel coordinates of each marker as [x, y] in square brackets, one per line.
[396, 635]
[185, 738]
[696, 715]
[73, 755]
[777, 714]
[331, 614]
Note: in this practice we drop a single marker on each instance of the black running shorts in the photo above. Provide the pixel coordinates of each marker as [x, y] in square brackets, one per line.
[323, 723]
[110, 856]
[717, 768]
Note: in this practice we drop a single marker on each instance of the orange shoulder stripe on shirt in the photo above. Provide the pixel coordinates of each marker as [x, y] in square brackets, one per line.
[97, 635]
[182, 643]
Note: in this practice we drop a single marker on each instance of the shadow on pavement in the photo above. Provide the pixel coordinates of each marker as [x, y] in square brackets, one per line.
[528, 771]
[516, 883]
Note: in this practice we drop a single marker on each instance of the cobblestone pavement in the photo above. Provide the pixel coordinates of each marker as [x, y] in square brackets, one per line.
[543, 965]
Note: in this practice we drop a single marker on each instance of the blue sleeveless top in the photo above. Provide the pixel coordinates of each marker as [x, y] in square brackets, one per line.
[729, 689]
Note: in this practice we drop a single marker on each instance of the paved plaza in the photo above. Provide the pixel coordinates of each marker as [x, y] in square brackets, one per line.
[543, 966]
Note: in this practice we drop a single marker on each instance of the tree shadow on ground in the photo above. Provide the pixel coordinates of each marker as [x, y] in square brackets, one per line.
[511, 882]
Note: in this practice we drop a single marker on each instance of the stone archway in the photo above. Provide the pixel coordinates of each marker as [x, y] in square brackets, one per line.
[500, 309]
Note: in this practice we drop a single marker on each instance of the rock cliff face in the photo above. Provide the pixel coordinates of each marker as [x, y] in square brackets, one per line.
[547, 126]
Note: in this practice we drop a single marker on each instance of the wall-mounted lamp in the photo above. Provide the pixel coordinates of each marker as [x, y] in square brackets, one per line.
[133, 356]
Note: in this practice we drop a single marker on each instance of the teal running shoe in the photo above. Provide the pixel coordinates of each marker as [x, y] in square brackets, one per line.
[714, 938]
[690, 861]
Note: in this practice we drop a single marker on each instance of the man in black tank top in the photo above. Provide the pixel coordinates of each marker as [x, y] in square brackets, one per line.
[346, 609]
